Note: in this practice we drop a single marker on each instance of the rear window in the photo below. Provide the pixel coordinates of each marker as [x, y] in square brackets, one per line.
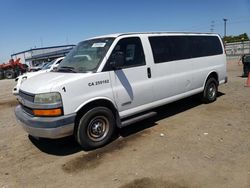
[170, 48]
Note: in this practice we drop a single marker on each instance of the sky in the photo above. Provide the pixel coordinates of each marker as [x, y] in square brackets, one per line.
[26, 24]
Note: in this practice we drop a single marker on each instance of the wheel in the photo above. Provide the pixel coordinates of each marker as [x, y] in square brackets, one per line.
[96, 128]
[210, 90]
[9, 74]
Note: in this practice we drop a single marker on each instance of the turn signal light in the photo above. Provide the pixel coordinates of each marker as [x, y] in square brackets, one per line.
[48, 112]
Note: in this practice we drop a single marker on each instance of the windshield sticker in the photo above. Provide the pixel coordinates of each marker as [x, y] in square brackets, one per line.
[99, 45]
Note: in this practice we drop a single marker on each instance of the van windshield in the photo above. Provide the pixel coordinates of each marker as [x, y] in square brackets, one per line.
[86, 56]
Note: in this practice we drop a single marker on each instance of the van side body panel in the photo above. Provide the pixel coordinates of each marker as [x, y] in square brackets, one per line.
[178, 79]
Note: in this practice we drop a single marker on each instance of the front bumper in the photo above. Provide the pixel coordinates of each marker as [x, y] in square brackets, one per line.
[46, 127]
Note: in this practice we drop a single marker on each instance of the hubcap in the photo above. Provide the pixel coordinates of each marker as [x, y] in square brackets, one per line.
[212, 91]
[9, 75]
[98, 128]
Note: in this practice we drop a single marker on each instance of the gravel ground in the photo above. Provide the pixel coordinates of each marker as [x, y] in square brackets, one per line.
[189, 144]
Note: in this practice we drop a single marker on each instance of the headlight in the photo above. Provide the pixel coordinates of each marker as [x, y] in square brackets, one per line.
[48, 98]
[23, 79]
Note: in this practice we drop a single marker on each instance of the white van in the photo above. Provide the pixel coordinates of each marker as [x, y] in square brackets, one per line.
[105, 82]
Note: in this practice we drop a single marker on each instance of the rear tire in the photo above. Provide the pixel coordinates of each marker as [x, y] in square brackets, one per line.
[9, 74]
[96, 128]
[210, 90]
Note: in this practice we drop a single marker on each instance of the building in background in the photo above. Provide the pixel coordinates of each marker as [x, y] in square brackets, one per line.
[36, 56]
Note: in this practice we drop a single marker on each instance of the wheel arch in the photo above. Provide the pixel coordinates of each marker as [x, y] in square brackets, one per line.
[212, 74]
[105, 102]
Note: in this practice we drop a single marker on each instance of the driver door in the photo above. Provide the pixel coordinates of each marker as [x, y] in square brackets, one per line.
[132, 87]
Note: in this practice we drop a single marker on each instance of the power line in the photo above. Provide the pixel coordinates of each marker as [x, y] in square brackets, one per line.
[237, 22]
[218, 24]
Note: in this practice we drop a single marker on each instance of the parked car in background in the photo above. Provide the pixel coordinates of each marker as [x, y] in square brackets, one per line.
[38, 67]
[46, 68]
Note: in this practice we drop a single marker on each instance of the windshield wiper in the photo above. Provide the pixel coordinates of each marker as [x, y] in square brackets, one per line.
[66, 69]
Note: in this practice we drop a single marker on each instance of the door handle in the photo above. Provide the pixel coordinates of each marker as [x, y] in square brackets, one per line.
[149, 72]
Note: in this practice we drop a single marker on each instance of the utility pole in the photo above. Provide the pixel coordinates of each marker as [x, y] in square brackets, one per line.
[212, 27]
[225, 26]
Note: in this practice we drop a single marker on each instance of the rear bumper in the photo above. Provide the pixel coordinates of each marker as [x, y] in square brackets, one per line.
[46, 127]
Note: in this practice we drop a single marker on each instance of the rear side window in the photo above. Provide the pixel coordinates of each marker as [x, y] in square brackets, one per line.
[205, 46]
[170, 48]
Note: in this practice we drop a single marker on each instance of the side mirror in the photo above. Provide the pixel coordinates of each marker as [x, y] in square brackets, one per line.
[117, 60]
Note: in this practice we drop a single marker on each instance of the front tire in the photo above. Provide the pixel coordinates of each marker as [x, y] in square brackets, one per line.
[210, 90]
[9, 74]
[95, 128]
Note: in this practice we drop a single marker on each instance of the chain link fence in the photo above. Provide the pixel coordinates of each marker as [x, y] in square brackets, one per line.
[237, 49]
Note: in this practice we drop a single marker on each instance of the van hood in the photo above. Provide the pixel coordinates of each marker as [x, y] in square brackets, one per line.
[31, 74]
[45, 82]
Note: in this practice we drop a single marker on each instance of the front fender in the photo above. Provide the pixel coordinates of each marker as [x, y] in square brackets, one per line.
[93, 100]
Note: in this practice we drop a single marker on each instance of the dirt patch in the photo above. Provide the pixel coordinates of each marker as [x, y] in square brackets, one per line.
[188, 144]
[152, 183]
[9, 103]
[93, 159]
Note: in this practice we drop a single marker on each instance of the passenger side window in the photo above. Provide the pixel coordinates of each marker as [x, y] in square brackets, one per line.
[205, 46]
[170, 48]
[132, 50]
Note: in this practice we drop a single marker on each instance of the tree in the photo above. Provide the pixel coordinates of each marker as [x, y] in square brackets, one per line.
[238, 38]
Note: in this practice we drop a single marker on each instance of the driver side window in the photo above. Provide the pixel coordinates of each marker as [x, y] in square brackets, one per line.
[132, 50]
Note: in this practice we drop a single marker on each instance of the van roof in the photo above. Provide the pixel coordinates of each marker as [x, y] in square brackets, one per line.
[115, 35]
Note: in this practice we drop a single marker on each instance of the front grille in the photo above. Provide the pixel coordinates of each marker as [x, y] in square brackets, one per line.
[27, 96]
[27, 110]
[24, 96]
